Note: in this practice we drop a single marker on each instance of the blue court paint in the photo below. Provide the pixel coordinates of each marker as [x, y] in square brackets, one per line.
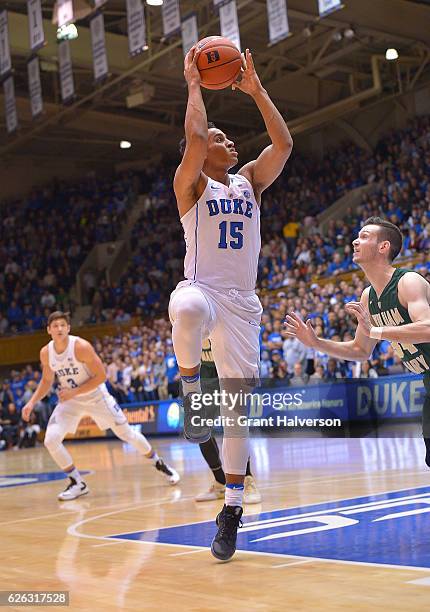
[391, 528]
[19, 480]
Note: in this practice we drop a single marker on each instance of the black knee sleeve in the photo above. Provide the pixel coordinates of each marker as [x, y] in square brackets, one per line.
[210, 452]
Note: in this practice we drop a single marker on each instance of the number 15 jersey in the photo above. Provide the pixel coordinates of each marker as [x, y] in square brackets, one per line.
[222, 236]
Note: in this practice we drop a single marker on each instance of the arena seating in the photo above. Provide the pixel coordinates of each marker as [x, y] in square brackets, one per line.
[38, 271]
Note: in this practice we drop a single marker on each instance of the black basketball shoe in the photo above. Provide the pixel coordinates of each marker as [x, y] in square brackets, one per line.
[224, 543]
[170, 473]
[73, 490]
[427, 443]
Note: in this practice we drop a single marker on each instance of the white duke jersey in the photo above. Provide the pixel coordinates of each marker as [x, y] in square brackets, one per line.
[222, 236]
[72, 373]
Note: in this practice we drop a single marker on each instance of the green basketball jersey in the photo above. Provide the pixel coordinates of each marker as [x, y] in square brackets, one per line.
[388, 311]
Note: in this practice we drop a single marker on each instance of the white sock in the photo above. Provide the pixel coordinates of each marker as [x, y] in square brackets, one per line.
[234, 494]
[75, 474]
[153, 456]
[191, 384]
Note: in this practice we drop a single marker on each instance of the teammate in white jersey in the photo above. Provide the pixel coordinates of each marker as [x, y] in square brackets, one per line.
[220, 214]
[82, 392]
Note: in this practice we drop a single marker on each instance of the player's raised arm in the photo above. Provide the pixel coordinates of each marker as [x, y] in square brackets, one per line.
[188, 173]
[359, 349]
[43, 387]
[263, 171]
[86, 354]
[414, 294]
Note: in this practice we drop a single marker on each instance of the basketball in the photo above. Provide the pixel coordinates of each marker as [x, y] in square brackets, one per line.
[226, 317]
[219, 62]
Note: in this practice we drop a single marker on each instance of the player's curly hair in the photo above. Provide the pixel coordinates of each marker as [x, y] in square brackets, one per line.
[183, 142]
[388, 231]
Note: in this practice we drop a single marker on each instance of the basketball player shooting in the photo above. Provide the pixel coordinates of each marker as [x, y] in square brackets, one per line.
[396, 307]
[82, 392]
[220, 214]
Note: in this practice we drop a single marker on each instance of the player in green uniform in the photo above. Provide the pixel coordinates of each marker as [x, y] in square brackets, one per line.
[396, 307]
[210, 450]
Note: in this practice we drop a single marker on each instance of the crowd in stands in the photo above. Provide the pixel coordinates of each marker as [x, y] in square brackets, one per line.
[38, 270]
[45, 238]
[399, 173]
[293, 247]
[140, 363]
[156, 265]
[15, 392]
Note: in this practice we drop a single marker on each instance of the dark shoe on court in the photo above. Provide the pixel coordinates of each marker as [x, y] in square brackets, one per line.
[171, 474]
[198, 432]
[73, 490]
[427, 443]
[224, 543]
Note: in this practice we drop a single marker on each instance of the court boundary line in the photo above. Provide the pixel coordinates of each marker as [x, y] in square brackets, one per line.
[420, 582]
[73, 530]
[355, 476]
[288, 508]
[272, 485]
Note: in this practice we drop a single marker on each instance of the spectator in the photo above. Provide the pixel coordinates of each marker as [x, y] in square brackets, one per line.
[366, 370]
[397, 367]
[10, 423]
[333, 372]
[6, 395]
[318, 376]
[47, 299]
[299, 378]
[29, 433]
[266, 368]
[172, 373]
[294, 352]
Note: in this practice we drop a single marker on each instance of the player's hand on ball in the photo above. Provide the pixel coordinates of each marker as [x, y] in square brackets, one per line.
[26, 411]
[295, 327]
[191, 72]
[361, 313]
[248, 80]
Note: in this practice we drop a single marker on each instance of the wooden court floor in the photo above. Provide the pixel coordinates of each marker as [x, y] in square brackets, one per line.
[49, 545]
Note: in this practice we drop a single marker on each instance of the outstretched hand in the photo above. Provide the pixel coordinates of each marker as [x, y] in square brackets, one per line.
[247, 80]
[362, 314]
[191, 72]
[297, 328]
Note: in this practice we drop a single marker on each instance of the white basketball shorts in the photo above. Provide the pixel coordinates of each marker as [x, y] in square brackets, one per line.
[104, 410]
[233, 329]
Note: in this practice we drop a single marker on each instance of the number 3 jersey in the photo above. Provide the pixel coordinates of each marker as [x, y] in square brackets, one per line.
[388, 311]
[222, 236]
[72, 373]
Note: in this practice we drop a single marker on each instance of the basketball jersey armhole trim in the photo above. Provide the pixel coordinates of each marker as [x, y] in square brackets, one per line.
[251, 185]
[50, 352]
[196, 202]
[402, 272]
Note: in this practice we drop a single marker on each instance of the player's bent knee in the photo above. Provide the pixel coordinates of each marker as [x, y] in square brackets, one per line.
[191, 308]
[124, 432]
[53, 438]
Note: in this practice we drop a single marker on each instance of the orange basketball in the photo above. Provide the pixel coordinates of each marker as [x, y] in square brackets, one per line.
[219, 62]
